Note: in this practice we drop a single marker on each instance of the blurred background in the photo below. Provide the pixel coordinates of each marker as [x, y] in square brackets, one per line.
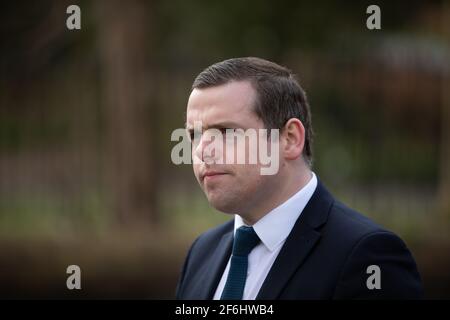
[86, 117]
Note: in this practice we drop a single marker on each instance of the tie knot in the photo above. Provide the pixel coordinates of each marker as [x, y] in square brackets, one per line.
[245, 240]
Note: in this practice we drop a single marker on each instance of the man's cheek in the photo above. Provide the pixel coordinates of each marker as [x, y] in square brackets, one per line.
[196, 171]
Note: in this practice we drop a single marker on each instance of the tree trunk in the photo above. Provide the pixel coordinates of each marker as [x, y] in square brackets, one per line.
[444, 170]
[127, 86]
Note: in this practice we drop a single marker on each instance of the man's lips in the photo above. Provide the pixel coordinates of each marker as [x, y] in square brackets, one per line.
[212, 174]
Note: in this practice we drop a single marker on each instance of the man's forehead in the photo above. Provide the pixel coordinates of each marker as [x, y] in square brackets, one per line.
[212, 119]
[229, 102]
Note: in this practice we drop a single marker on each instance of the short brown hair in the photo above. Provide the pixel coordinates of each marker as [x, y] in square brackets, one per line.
[279, 96]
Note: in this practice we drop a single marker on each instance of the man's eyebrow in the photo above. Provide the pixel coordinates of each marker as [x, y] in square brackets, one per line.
[217, 125]
[224, 125]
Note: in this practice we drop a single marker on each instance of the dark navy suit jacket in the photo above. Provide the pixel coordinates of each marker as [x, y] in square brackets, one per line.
[325, 256]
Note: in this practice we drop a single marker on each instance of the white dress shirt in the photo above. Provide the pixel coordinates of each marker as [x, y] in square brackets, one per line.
[272, 229]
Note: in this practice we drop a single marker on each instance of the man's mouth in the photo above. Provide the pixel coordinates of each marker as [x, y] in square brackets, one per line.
[211, 175]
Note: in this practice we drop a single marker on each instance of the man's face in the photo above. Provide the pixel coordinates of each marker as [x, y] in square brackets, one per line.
[230, 188]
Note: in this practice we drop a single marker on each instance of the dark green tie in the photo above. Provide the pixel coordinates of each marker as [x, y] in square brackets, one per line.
[245, 240]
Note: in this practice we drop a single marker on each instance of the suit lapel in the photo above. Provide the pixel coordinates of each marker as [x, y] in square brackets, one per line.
[298, 245]
[216, 266]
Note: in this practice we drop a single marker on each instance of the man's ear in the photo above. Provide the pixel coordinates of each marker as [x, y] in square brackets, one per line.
[294, 139]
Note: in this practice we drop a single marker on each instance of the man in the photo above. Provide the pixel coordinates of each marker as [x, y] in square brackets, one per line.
[289, 239]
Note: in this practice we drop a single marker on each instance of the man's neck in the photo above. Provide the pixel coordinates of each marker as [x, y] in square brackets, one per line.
[285, 190]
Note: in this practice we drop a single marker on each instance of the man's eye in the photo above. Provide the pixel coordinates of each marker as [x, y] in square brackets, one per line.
[190, 134]
[224, 130]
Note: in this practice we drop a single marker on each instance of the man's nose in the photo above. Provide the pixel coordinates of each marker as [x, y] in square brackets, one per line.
[204, 141]
[200, 147]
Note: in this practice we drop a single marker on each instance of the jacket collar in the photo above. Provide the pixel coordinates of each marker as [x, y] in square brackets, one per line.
[299, 243]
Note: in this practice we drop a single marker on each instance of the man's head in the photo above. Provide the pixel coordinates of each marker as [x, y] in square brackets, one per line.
[250, 93]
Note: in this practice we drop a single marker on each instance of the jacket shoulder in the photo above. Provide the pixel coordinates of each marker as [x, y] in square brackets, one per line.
[366, 244]
[349, 224]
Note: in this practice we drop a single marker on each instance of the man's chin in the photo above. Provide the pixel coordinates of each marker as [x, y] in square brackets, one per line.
[225, 207]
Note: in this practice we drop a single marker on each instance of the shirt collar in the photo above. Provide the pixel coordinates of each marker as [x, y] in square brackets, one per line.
[275, 226]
